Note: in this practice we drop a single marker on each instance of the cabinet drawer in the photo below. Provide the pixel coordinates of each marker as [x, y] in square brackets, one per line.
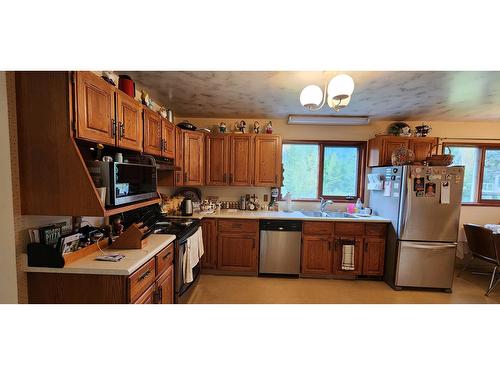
[377, 229]
[317, 227]
[164, 259]
[141, 279]
[349, 229]
[247, 226]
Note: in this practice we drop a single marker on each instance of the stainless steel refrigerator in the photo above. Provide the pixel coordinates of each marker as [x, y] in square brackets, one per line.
[423, 204]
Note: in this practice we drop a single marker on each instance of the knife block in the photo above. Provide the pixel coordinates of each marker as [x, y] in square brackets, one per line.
[131, 238]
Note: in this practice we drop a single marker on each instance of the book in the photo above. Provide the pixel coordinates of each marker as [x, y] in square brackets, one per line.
[49, 235]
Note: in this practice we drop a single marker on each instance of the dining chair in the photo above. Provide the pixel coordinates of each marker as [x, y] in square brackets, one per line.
[483, 245]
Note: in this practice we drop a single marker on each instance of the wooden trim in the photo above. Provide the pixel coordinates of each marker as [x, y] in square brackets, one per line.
[74, 256]
[117, 210]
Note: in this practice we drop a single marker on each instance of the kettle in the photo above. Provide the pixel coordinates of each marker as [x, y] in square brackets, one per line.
[187, 207]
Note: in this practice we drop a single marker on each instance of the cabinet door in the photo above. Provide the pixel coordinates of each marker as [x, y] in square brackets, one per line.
[217, 160]
[129, 117]
[148, 297]
[152, 133]
[168, 133]
[267, 160]
[209, 228]
[373, 257]
[194, 166]
[237, 252]
[389, 145]
[179, 157]
[339, 267]
[242, 160]
[95, 109]
[422, 147]
[316, 255]
[165, 286]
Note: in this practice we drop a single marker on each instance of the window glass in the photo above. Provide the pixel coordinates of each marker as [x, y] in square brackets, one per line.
[491, 175]
[469, 157]
[340, 172]
[301, 170]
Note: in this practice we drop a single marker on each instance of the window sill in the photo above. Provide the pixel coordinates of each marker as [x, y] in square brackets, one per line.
[482, 204]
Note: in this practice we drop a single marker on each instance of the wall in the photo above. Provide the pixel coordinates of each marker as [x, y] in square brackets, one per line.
[8, 277]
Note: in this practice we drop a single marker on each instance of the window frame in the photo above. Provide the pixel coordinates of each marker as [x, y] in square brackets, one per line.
[361, 173]
[478, 201]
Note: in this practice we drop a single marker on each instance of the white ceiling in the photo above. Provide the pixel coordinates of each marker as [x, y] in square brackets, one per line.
[460, 96]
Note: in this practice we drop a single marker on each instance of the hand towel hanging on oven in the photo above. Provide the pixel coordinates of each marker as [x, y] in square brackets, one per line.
[192, 255]
[348, 256]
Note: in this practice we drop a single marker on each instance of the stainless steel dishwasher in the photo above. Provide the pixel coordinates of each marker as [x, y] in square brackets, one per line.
[280, 242]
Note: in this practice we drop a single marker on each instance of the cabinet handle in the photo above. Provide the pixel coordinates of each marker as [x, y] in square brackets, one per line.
[167, 255]
[113, 127]
[143, 276]
[230, 178]
[121, 127]
[160, 294]
[177, 175]
[185, 177]
[224, 178]
[366, 247]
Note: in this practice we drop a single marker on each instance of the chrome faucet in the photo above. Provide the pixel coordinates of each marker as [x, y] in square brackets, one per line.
[323, 203]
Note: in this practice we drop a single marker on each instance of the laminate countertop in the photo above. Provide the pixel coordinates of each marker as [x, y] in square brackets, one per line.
[283, 215]
[134, 258]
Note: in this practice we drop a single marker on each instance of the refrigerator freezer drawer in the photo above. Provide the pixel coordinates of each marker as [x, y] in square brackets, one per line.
[425, 264]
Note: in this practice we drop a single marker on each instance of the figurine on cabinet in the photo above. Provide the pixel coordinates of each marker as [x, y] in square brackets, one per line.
[242, 125]
[256, 127]
[222, 127]
[162, 112]
[269, 128]
[146, 100]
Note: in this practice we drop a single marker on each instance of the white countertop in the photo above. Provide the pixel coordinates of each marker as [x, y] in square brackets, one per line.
[134, 259]
[282, 215]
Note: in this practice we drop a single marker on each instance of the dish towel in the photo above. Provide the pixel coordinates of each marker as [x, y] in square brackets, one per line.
[348, 257]
[192, 254]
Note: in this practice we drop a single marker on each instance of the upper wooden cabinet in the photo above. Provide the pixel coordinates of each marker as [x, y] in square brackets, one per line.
[381, 147]
[193, 154]
[179, 157]
[168, 136]
[129, 116]
[153, 143]
[217, 159]
[95, 109]
[267, 160]
[242, 160]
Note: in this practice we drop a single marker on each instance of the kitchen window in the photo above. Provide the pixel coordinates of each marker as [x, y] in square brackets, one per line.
[482, 172]
[333, 170]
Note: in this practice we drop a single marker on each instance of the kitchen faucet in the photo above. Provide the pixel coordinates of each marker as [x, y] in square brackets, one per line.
[323, 204]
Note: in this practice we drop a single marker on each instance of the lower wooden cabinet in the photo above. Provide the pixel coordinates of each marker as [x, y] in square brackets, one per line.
[317, 255]
[373, 256]
[209, 229]
[148, 297]
[338, 267]
[237, 252]
[164, 287]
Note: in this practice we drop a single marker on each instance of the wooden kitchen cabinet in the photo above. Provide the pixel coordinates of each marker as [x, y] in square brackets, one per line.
[373, 257]
[267, 160]
[194, 160]
[95, 108]
[168, 138]
[316, 257]
[153, 141]
[381, 147]
[209, 229]
[237, 246]
[165, 287]
[130, 125]
[242, 160]
[217, 160]
[147, 298]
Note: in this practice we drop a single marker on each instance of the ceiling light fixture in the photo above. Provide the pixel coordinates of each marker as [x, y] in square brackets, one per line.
[337, 94]
[327, 120]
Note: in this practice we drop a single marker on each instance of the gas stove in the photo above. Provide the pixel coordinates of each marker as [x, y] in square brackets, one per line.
[181, 227]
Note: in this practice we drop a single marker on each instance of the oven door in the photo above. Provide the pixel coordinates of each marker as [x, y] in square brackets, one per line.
[132, 182]
[182, 288]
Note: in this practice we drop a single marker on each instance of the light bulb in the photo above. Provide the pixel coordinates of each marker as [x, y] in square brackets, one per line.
[340, 87]
[311, 96]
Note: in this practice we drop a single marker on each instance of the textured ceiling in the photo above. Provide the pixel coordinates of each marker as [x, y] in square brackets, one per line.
[461, 96]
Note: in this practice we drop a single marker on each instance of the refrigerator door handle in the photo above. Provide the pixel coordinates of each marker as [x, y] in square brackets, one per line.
[403, 200]
[434, 246]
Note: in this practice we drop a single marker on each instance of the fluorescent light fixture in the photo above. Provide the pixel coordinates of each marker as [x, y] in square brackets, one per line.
[327, 120]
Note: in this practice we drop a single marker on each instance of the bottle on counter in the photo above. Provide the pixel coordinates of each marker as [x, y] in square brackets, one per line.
[243, 203]
[359, 206]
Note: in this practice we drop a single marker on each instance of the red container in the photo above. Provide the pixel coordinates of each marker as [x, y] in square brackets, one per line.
[127, 85]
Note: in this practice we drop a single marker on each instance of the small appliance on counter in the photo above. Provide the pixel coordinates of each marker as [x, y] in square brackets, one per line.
[187, 207]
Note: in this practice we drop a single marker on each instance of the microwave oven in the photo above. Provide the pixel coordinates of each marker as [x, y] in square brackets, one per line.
[124, 182]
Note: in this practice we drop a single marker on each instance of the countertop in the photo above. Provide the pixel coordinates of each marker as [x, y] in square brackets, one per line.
[282, 215]
[134, 259]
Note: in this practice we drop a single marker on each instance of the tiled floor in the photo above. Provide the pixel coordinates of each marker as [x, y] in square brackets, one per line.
[238, 289]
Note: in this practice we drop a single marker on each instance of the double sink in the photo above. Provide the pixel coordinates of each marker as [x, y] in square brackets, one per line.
[327, 214]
